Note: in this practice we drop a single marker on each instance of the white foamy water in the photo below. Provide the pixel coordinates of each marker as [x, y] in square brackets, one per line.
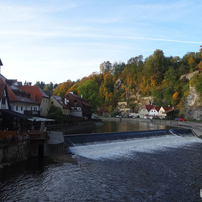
[116, 149]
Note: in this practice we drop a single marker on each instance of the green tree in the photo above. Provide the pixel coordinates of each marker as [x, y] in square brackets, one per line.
[40, 84]
[170, 75]
[56, 113]
[106, 66]
[90, 92]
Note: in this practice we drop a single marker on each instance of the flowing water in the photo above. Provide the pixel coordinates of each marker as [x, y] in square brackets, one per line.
[157, 165]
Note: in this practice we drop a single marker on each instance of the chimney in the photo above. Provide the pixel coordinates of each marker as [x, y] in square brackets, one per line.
[81, 96]
[29, 83]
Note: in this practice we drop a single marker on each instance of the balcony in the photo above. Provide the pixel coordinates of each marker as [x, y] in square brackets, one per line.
[32, 113]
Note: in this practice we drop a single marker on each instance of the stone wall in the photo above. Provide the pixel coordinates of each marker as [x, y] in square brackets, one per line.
[13, 153]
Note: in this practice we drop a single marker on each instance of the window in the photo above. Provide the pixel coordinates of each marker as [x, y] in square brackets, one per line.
[75, 103]
[16, 108]
[3, 101]
[21, 108]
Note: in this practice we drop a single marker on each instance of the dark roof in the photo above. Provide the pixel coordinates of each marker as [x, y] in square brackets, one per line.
[60, 101]
[83, 101]
[15, 114]
[1, 64]
[2, 87]
[47, 93]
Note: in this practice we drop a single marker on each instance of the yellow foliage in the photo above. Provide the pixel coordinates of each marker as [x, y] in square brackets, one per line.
[191, 60]
[110, 109]
[175, 96]
[153, 81]
[192, 81]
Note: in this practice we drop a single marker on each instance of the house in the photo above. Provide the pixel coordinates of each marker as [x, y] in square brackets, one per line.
[39, 96]
[9, 119]
[154, 111]
[164, 110]
[59, 102]
[20, 101]
[79, 106]
[145, 110]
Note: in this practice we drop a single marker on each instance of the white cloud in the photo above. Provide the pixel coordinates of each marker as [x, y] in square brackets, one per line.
[16, 12]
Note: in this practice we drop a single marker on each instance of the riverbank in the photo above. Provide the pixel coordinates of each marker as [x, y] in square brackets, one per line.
[196, 127]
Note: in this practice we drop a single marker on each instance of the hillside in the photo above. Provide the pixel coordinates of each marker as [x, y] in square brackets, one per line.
[158, 80]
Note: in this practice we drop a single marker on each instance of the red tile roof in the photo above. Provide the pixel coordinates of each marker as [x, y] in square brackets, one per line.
[157, 108]
[148, 107]
[12, 96]
[36, 93]
[167, 108]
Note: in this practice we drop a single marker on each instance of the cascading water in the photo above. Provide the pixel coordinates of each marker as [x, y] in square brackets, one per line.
[111, 145]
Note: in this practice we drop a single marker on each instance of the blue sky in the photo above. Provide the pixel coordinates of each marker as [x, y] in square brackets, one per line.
[53, 41]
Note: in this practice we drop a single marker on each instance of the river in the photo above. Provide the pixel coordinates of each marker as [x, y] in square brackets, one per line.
[152, 168]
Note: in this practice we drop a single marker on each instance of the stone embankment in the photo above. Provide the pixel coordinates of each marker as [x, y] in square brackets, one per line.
[13, 153]
[194, 126]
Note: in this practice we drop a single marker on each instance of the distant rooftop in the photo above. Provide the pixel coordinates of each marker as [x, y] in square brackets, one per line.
[1, 64]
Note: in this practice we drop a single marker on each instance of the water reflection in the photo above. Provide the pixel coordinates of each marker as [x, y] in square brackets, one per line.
[127, 125]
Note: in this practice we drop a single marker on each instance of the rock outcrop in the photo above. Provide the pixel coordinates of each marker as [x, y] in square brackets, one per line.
[190, 75]
[192, 106]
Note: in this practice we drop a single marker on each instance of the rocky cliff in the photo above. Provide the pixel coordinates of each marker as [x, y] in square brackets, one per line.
[192, 108]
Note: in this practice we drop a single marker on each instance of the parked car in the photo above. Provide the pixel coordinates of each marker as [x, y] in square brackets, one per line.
[118, 116]
[179, 119]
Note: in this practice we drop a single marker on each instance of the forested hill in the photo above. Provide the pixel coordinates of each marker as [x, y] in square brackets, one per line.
[156, 76]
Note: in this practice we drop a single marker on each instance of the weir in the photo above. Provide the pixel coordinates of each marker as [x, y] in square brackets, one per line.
[123, 144]
[93, 138]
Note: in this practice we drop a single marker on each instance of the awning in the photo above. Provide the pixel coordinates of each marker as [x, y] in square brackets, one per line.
[39, 119]
[15, 114]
